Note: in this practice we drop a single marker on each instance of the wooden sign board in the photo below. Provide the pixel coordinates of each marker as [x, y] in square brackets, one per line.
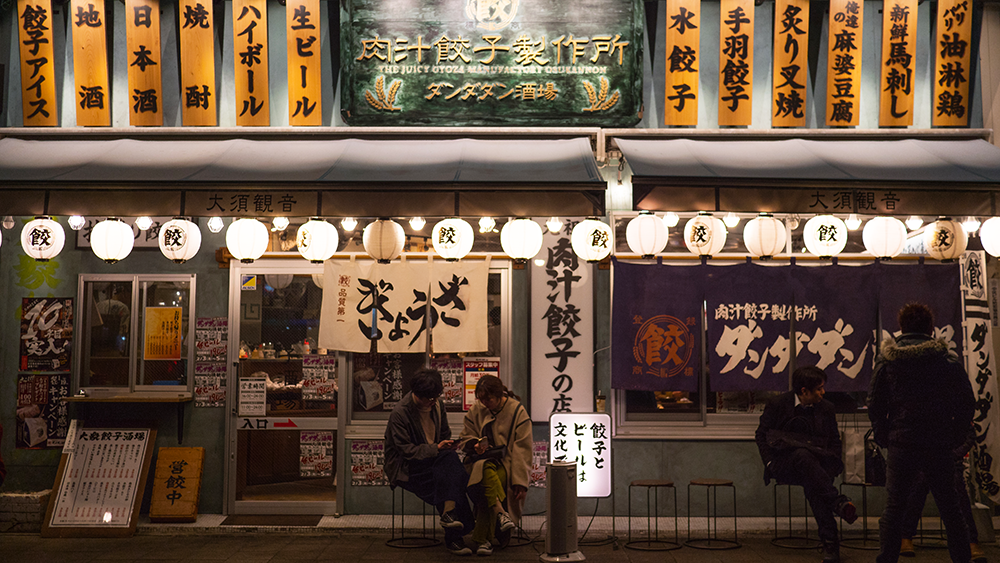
[145, 83]
[791, 63]
[250, 58]
[952, 67]
[90, 63]
[177, 485]
[898, 63]
[843, 73]
[305, 80]
[736, 62]
[38, 78]
[683, 46]
[198, 95]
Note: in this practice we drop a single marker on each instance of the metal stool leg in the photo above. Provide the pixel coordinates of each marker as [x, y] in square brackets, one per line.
[653, 541]
[792, 541]
[712, 541]
[863, 543]
[410, 542]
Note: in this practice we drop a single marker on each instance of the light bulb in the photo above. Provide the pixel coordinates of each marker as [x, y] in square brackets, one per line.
[971, 225]
[487, 224]
[279, 223]
[348, 224]
[671, 219]
[215, 224]
[554, 225]
[417, 223]
[731, 220]
[8, 222]
[143, 223]
[540, 262]
[76, 222]
[914, 222]
[853, 222]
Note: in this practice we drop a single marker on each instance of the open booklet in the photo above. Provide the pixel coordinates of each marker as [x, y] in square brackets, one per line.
[469, 444]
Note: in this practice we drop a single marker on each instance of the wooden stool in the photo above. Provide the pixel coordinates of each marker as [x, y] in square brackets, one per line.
[409, 542]
[864, 542]
[712, 513]
[793, 541]
[652, 541]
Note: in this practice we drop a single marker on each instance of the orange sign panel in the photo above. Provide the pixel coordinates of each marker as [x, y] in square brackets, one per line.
[162, 336]
[198, 95]
[843, 75]
[951, 63]
[177, 485]
[735, 62]
[683, 36]
[305, 94]
[145, 85]
[90, 63]
[899, 48]
[791, 63]
[38, 82]
[250, 54]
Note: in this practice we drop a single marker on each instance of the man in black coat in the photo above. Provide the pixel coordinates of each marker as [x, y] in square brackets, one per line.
[799, 443]
[921, 407]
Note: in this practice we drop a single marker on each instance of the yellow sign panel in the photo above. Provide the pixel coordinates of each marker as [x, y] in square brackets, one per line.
[90, 63]
[176, 485]
[951, 63]
[163, 333]
[736, 62]
[843, 73]
[145, 85]
[305, 94]
[250, 58]
[791, 63]
[38, 82]
[898, 62]
[683, 36]
[198, 95]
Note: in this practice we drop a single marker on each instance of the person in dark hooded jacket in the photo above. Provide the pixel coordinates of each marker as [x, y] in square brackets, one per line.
[921, 407]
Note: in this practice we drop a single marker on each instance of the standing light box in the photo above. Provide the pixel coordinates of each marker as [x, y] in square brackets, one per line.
[586, 439]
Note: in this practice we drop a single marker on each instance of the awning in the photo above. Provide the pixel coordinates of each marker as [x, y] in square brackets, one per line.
[901, 177]
[342, 177]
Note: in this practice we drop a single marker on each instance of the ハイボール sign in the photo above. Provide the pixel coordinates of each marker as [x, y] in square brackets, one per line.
[492, 62]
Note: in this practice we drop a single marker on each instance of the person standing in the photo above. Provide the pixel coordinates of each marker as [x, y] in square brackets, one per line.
[921, 407]
[799, 443]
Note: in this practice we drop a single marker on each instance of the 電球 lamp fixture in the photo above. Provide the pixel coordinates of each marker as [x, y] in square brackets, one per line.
[348, 224]
[112, 240]
[671, 219]
[247, 239]
[914, 222]
[215, 224]
[279, 223]
[853, 222]
[554, 225]
[179, 239]
[76, 222]
[144, 223]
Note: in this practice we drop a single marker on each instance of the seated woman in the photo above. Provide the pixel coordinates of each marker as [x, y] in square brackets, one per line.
[503, 428]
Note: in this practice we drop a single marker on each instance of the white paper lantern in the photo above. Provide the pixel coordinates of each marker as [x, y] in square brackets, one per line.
[646, 234]
[521, 239]
[452, 238]
[705, 235]
[179, 240]
[112, 240]
[945, 239]
[884, 237]
[989, 234]
[318, 280]
[43, 238]
[278, 281]
[764, 236]
[247, 239]
[383, 240]
[317, 240]
[592, 240]
[825, 235]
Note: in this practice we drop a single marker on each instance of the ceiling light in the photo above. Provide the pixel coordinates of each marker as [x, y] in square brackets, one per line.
[348, 224]
[971, 225]
[417, 223]
[853, 222]
[279, 223]
[731, 220]
[554, 225]
[671, 219]
[76, 222]
[487, 225]
[143, 223]
[914, 222]
[215, 224]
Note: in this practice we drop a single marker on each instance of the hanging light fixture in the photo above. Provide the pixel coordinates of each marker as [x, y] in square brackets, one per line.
[318, 280]
[179, 239]
[76, 222]
[144, 223]
[971, 225]
[646, 234]
[945, 239]
[592, 240]
[279, 223]
[914, 222]
[278, 281]
[317, 240]
[884, 237]
[853, 222]
[8, 222]
[383, 240]
[704, 234]
[348, 224]
[215, 224]
[521, 239]
[731, 220]
[247, 239]
[989, 235]
[112, 240]
[487, 224]
[452, 238]
[42, 238]
[671, 219]
[554, 225]
[764, 236]
[417, 223]
[825, 235]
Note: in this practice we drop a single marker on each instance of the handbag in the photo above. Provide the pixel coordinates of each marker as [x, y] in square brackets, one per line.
[874, 461]
[854, 455]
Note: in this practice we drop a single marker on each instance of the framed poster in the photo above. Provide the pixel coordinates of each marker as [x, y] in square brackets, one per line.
[46, 333]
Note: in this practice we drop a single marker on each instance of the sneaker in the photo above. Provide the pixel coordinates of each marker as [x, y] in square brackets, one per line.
[906, 548]
[448, 521]
[456, 548]
[848, 512]
[485, 548]
[505, 522]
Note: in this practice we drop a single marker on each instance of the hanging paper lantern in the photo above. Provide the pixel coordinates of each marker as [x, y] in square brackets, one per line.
[247, 239]
[592, 240]
[179, 239]
[452, 238]
[884, 237]
[764, 236]
[112, 240]
[646, 234]
[317, 240]
[278, 281]
[825, 235]
[705, 235]
[318, 280]
[989, 234]
[43, 238]
[521, 239]
[383, 240]
[945, 239]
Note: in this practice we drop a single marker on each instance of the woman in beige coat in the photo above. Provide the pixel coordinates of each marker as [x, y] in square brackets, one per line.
[499, 417]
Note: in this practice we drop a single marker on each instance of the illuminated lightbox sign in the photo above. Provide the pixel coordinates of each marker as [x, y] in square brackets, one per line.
[586, 439]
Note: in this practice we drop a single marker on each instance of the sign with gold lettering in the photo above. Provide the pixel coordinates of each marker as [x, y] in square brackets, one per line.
[305, 94]
[145, 84]
[198, 95]
[38, 83]
[735, 62]
[176, 485]
[843, 73]
[952, 63]
[163, 336]
[90, 63]
[899, 48]
[250, 55]
[683, 36]
[791, 63]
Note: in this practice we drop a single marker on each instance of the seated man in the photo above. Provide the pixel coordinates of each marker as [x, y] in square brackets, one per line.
[799, 443]
[420, 457]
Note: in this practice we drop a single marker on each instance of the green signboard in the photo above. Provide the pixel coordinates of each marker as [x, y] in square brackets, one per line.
[492, 62]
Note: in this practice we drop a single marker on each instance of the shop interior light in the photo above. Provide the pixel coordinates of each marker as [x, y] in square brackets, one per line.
[592, 240]
[143, 223]
[989, 234]
[792, 222]
[914, 223]
[764, 236]
[215, 224]
[971, 225]
[278, 281]
[705, 235]
[884, 237]
[417, 223]
[853, 222]
[76, 222]
[43, 238]
[452, 238]
[8, 222]
[112, 240]
[179, 239]
[317, 240]
[554, 225]
[383, 240]
[521, 239]
[731, 220]
[279, 223]
[348, 224]
[487, 224]
[825, 235]
[646, 234]
[945, 239]
[247, 239]
[671, 219]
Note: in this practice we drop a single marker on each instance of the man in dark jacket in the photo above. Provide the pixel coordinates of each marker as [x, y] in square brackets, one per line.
[799, 443]
[921, 407]
[420, 457]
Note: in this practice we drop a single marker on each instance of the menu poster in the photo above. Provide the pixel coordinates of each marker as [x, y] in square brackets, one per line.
[41, 416]
[46, 333]
[209, 384]
[474, 369]
[452, 370]
[315, 453]
[211, 336]
[319, 378]
[367, 459]
[163, 333]
[539, 459]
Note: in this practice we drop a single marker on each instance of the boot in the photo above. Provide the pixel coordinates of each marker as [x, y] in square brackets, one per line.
[831, 552]
[906, 548]
[978, 555]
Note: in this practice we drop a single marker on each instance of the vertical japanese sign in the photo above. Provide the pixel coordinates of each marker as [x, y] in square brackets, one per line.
[145, 83]
[38, 83]
[250, 58]
[176, 485]
[586, 439]
[304, 72]
[46, 334]
[197, 63]
[90, 63]
[683, 44]
[315, 453]
[163, 333]
[791, 62]
[42, 417]
[562, 333]
[899, 47]
[843, 75]
[952, 63]
[981, 366]
[736, 62]
[211, 344]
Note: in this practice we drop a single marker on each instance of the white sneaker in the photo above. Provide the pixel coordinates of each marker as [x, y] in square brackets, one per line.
[505, 522]
[485, 548]
[458, 548]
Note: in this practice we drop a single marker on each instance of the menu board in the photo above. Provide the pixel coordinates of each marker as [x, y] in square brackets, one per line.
[211, 341]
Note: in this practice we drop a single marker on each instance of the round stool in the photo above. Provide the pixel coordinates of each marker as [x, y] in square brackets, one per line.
[409, 542]
[712, 541]
[652, 541]
[865, 542]
[793, 541]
